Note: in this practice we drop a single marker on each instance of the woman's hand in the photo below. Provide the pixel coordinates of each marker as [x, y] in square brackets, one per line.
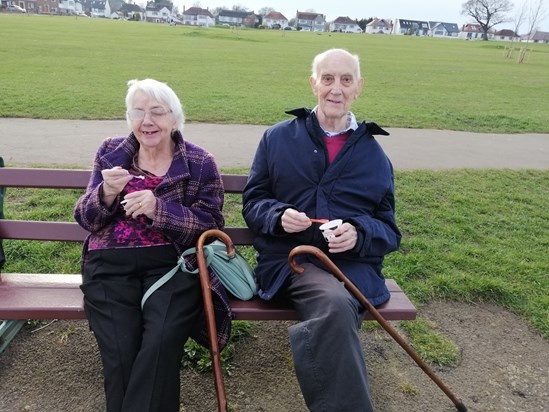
[114, 181]
[140, 203]
[344, 238]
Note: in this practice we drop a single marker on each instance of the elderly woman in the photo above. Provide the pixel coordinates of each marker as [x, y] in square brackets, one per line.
[150, 196]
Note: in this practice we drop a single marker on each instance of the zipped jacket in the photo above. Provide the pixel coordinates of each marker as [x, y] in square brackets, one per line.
[291, 170]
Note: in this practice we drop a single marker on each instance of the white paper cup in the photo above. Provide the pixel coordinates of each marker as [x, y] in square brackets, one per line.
[327, 229]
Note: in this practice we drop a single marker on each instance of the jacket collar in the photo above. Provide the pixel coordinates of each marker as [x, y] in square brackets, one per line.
[363, 127]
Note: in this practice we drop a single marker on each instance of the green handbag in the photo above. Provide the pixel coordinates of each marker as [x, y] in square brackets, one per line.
[235, 273]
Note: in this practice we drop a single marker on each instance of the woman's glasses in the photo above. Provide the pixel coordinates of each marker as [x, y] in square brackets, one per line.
[155, 113]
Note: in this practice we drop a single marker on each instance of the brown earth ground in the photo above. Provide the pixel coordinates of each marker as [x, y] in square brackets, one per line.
[504, 367]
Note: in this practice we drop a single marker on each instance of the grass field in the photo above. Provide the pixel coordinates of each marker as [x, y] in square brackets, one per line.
[66, 67]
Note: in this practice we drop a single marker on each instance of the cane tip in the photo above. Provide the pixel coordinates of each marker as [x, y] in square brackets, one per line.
[461, 407]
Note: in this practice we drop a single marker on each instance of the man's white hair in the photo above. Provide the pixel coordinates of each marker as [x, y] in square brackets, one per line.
[319, 59]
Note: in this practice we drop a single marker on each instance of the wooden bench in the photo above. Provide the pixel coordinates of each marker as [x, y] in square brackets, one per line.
[57, 296]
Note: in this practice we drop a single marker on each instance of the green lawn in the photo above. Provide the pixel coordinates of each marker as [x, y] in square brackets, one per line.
[66, 67]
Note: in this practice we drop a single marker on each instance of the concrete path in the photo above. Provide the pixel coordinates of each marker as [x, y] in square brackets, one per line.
[74, 143]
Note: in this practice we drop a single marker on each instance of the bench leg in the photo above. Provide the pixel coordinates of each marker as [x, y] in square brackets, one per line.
[8, 331]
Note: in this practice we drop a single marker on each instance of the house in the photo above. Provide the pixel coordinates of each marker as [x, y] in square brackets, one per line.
[345, 25]
[45, 7]
[473, 31]
[506, 35]
[536, 37]
[252, 20]
[238, 18]
[411, 27]
[112, 9]
[97, 8]
[379, 26]
[158, 13]
[275, 20]
[69, 7]
[441, 29]
[310, 21]
[197, 16]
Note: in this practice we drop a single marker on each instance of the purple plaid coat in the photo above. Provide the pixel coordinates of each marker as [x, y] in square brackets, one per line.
[189, 202]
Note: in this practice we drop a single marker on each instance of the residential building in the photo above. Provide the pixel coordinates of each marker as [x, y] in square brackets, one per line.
[506, 35]
[275, 20]
[441, 29]
[345, 25]
[97, 8]
[46, 7]
[196, 16]
[411, 27]
[238, 18]
[112, 9]
[29, 5]
[310, 21]
[536, 37]
[473, 31]
[379, 26]
[69, 7]
[158, 13]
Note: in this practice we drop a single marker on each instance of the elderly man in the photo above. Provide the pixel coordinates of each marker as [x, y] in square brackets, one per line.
[324, 164]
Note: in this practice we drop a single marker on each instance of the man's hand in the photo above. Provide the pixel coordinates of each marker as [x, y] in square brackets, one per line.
[344, 239]
[293, 221]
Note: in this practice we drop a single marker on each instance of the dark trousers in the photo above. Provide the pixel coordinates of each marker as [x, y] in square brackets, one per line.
[327, 352]
[141, 350]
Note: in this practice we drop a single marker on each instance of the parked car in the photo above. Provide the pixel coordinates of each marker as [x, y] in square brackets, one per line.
[14, 8]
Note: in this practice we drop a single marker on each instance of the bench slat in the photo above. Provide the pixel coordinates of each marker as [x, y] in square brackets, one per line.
[72, 232]
[78, 179]
[58, 296]
[44, 178]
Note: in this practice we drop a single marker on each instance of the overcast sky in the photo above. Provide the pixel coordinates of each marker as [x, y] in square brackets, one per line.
[448, 11]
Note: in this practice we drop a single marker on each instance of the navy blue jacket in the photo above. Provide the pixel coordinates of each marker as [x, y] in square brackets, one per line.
[291, 170]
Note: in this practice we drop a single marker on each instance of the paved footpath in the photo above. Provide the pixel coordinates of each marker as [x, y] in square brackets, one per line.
[74, 143]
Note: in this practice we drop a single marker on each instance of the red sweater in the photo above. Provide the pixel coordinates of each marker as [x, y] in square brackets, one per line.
[335, 143]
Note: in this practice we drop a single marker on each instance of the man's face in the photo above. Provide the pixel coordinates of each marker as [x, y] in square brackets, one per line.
[336, 86]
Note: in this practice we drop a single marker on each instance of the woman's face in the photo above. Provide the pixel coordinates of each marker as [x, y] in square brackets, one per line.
[152, 121]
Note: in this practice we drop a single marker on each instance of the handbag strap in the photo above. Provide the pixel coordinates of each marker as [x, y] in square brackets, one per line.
[181, 264]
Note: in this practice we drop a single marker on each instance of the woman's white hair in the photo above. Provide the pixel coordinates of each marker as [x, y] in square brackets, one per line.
[158, 91]
[319, 59]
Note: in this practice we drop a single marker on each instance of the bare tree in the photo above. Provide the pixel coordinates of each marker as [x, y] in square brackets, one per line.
[487, 13]
[519, 17]
[536, 14]
[265, 10]
[239, 7]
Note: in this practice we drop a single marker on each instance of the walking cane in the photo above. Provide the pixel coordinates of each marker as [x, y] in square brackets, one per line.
[386, 325]
[209, 310]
